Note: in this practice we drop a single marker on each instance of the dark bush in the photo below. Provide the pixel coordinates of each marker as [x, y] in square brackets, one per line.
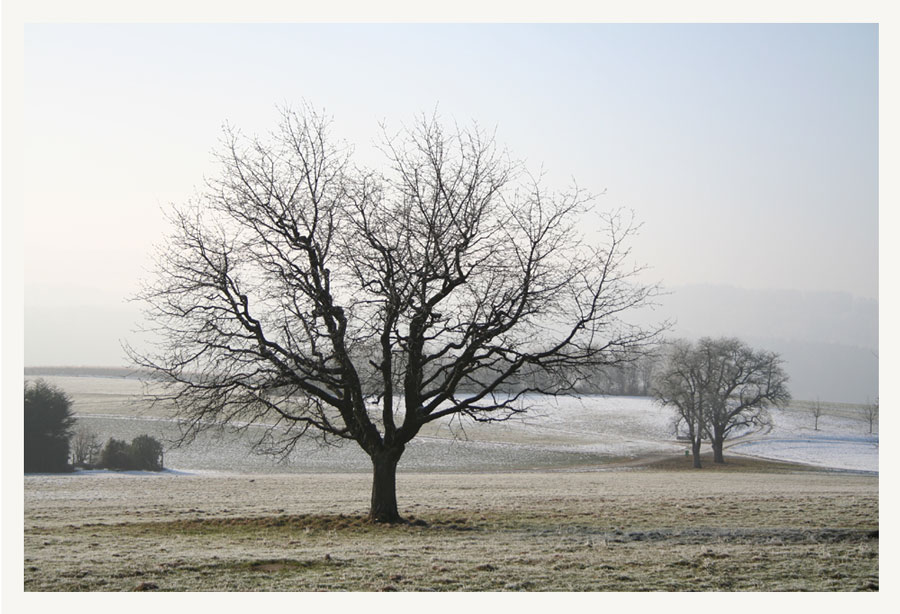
[143, 453]
[147, 453]
[48, 427]
[115, 455]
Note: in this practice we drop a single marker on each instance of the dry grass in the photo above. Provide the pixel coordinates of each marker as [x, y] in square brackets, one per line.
[673, 530]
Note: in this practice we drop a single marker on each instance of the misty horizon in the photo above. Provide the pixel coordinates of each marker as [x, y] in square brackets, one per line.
[846, 335]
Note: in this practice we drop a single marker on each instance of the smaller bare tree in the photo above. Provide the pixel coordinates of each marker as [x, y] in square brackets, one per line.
[817, 413]
[744, 384]
[719, 387]
[870, 415]
[682, 385]
[86, 447]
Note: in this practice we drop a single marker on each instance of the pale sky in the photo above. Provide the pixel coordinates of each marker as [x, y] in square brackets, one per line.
[748, 152]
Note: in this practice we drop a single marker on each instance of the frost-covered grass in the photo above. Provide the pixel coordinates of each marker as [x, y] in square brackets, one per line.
[569, 531]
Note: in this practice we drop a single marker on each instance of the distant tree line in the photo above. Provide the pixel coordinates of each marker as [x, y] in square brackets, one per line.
[117, 372]
[632, 379]
[53, 444]
[632, 375]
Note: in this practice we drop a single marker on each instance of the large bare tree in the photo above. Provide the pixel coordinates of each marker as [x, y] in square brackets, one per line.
[326, 300]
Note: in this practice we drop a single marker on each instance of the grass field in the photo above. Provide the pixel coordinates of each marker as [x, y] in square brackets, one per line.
[748, 526]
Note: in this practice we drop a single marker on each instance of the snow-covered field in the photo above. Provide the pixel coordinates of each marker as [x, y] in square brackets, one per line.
[555, 433]
[840, 443]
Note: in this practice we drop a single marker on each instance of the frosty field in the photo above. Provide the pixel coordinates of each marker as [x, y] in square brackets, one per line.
[566, 531]
[583, 494]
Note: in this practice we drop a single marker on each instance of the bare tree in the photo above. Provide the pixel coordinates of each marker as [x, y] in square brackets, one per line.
[817, 413]
[330, 301]
[744, 383]
[718, 386]
[682, 385]
[86, 447]
[870, 415]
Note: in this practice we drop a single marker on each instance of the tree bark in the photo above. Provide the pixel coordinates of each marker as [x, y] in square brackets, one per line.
[718, 446]
[695, 449]
[383, 507]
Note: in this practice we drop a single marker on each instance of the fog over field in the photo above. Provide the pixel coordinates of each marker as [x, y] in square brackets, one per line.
[828, 340]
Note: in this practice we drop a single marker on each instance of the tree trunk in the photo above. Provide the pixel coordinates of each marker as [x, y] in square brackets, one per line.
[384, 487]
[695, 449]
[718, 446]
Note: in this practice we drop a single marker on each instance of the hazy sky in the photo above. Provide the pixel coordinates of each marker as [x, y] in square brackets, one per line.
[749, 152]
